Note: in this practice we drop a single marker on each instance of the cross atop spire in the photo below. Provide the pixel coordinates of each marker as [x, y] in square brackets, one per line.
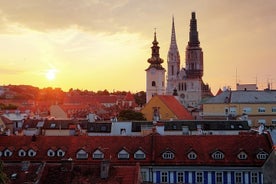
[193, 39]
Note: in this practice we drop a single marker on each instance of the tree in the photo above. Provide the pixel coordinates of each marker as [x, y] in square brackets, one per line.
[140, 98]
[3, 177]
[131, 115]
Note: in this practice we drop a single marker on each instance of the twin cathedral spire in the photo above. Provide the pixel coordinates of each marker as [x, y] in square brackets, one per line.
[186, 82]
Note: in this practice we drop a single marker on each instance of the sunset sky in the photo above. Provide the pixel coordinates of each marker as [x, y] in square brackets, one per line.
[105, 44]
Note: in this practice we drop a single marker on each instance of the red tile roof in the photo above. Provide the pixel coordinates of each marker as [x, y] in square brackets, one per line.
[176, 107]
[153, 146]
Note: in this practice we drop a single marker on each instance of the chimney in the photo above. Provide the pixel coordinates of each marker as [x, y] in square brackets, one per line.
[105, 164]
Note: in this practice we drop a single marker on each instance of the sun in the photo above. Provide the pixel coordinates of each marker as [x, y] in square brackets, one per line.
[51, 74]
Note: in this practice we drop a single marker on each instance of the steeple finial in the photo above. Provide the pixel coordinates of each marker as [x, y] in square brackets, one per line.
[193, 39]
[155, 60]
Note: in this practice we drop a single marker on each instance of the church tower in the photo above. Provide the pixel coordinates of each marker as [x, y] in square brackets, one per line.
[173, 60]
[155, 73]
[194, 54]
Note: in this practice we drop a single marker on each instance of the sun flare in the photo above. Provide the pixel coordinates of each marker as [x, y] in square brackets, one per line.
[51, 74]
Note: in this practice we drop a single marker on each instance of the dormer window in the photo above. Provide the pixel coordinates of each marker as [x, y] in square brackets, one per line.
[139, 155]
[262, 155]
[123, 154]
[98, 154]
[168, 155]
[242, 155]
[60, 153]
[21, 153]
[192, 155]
[50, 153]
[7, 153]
[82, 154]
[217, 155]
[31, 153]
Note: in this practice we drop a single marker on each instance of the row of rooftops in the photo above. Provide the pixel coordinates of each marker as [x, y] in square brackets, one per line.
[136, 126]
[245, 96]
[160, 150]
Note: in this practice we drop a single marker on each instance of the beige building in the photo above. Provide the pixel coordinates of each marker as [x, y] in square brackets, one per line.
[256, 106]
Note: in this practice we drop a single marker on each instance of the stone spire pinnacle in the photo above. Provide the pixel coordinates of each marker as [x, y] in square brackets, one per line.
[173, 45]
[193, 37]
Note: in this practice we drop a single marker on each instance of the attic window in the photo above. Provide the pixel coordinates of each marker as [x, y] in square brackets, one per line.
[123, 154]
[60, 153]
[81, 154]
[139, 155]
[50, 153]
[242, 155]
[217, 155]
[22, 153]
[31, 153]
[168, 155]
[192, 155]
[262, 155]
[98, 154]
[7, 153]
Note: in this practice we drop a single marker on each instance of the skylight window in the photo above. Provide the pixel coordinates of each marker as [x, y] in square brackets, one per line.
[123, 154]
[168, 155]
[217, 155]
[139, 155]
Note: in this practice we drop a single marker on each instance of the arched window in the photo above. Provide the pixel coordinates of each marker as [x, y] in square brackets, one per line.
[153, 83]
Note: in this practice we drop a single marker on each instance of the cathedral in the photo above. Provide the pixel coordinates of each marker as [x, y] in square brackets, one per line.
[185, 83]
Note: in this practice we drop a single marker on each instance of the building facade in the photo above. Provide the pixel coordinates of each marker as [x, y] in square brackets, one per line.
[258, 107]
[186, 82]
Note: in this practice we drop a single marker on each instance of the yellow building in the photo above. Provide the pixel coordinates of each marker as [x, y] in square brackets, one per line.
[256, 106]
[165, 107]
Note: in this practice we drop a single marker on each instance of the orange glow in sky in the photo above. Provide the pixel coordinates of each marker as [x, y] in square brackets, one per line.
[97, 45]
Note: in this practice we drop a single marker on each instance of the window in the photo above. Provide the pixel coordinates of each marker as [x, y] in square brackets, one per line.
[273, 121]
[199, 177]
[123, 131]
[139, 155]
[273, 109]
[219, 178]
[192, 155]
[262, 155]
[31, 153]
[50, 153]
[7, 153]
[153, 83]
[238, 178]
[262, 121]
[168, 155]
[242, 155]
[164, 177]
[123, 154]
[21, 153]
[180, 176]
[254, 177]
[103, 128]
[247, 110]
[81, 154]
[217, 155]
[98, 154]
[60, 153]
[53, 125]
[144, 175]
[261, 109]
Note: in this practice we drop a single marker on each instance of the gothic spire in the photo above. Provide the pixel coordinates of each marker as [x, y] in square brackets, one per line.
[173, 45]
[193, 39]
